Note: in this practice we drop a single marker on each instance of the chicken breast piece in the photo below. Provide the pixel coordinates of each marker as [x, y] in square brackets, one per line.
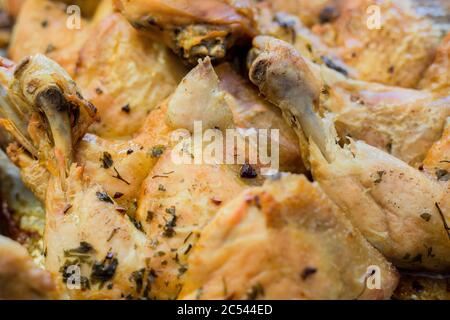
[124, 76]
[284, 240]
[401, 211]
[20, 278]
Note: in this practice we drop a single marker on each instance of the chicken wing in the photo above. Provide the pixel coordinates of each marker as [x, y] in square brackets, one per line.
[299, 243]
[396, 207]
[252, 111]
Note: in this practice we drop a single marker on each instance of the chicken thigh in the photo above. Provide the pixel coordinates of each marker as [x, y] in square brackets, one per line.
[284, 240]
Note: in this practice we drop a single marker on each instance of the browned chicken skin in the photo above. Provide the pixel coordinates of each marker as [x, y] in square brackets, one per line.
[398, 209]
[193, 30]
[396, 53]
[124, 76]
[139, 225]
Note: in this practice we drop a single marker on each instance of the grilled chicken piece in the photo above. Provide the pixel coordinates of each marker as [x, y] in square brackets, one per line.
[121, 166]
[47, 21]
[193, 30]
[20, 278]
[284, 240]
[397, 53]
[124, 76]
[401, 211]
[139, 243]
[90, 241]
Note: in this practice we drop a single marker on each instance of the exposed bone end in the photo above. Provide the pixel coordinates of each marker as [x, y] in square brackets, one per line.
[281, 73]
[287, 81]
[198, 98]
[44, 111]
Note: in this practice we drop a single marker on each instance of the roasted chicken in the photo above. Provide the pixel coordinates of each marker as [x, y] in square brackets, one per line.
[400, 210]
[193, 30]
[299, 243]
[224, 149]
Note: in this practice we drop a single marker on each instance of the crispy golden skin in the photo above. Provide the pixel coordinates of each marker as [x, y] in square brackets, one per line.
[284, 240]
[387, 117]
[125, 76]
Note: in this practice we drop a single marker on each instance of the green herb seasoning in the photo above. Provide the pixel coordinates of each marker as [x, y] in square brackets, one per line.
[106, 160]
[157, 151]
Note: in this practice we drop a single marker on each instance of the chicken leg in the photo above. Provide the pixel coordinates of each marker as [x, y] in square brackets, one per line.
[396, 207]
